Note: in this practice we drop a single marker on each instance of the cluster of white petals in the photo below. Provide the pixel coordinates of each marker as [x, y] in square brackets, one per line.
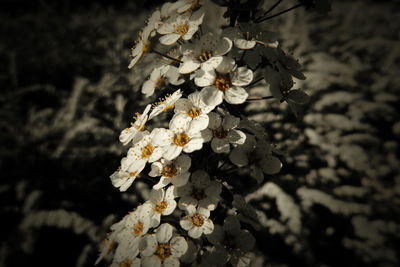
[190, 161]
[222, 80]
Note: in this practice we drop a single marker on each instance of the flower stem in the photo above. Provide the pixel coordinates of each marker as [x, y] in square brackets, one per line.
[169, 57]
[255, 81]
[259, 98]
[269, 10]
[280, 13]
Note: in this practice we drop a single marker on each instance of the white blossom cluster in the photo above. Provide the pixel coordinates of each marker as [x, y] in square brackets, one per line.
[209, 72]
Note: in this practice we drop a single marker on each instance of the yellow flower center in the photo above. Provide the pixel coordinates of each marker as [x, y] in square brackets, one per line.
[197, 220]
[194, 112]
[220, 133]
[161, 206]
[223, 82]
[146, 47]
[181, 139]
[138, 229]
[125, 263]
[163, 251]
[160, 82]
[169, 171]
[182, 29]
[168, 107]
[147, 151]
[206, 55]
[133, 174]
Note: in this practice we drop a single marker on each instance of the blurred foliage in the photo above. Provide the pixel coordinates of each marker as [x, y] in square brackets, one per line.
[67, 93]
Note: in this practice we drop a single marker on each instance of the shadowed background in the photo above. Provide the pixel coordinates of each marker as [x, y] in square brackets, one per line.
[67, 94]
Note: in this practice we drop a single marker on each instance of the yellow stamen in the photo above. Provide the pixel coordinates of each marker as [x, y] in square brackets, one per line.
[197, 220]
[169, 171]
[163, 251]
[194, 112]
[138, 229]
[161, 206]
[181, 139]
[182, 29]
[147, 151]
[223, 82]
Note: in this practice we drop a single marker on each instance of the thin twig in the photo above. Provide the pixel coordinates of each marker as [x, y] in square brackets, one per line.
[255, 81]
[169, 57]
[269, 10]
[280, 13]
[260, 98]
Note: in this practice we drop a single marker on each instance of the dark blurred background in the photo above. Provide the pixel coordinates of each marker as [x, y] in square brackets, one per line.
[66, 94]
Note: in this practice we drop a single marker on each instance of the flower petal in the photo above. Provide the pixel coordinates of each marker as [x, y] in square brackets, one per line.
[151, 261]
[212, 96]
[195, 232]
[171, 262]
[183, 162]
[236, 137]
[244, 44]
[217, 236]
[164, 233]
[180, 179]
[230, 122]
[207, 135]
[204, 77]
[169, 38]
[242, 76]
[236, 95]
[220, 145]
[239, 157]
[162, 183]
[189, 65]
[270, 165]
[183, 105]
[215, 120]
[226, 66]
[172, 152]
[179, 246]
[187, 201]
[194, 144]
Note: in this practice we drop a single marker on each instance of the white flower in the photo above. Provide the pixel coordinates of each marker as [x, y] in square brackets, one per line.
[181, 26]
[182, 6]
[221, 132]
[175, 171]
[142, 152]
[221, 79]
[197, 54]
[160, 77]
[131, 166]
[165, 104]
[199, 192]
[231, 243]
[197, 222]
[248, 35]
[134, 133]
[138, 222]
[195, 109]
[159, 16]
[163, 248]
[179, 137]
[123, 179]
[142, 47]
[163, 203]
[126, 252]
